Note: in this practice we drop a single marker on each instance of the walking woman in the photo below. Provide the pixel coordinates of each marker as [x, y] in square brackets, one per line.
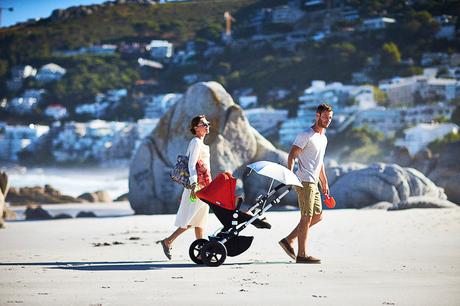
[192, 211]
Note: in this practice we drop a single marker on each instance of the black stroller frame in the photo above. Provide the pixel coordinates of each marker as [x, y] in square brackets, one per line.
[228, 241]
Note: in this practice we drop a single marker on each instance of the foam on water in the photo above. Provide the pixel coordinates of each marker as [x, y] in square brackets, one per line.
[73, 182]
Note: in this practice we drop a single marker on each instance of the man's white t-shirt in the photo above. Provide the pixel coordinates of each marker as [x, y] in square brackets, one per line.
[311, 157]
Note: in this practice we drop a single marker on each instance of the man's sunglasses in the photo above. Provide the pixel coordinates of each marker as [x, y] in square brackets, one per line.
[204, 124]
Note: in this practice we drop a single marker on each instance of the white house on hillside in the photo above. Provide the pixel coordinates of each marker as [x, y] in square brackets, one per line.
[378, 23]
[50, 72]
[56, 111]
[248, 101]
[18, 74]
[16, 138]
[160, 49]
[418, 137]
[159, 104]
[27, 101]
[265, 120]
[446, 89]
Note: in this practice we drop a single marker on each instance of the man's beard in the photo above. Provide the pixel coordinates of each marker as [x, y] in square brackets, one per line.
[321, 125]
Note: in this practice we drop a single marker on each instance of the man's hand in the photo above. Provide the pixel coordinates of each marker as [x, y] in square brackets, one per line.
[325, 189]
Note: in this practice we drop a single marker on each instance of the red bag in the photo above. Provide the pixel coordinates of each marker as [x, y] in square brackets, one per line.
[329, 201]
[203, 173]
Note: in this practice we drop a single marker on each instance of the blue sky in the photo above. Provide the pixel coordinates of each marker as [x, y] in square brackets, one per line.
[26, 9]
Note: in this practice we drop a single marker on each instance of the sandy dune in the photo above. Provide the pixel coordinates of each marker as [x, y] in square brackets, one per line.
[370, 257]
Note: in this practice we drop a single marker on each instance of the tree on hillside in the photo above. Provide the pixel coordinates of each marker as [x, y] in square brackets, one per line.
[390, 54]
[212, 32]
[380, 97]
[88, 76]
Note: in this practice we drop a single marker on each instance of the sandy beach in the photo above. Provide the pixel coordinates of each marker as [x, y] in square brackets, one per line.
[370, 257]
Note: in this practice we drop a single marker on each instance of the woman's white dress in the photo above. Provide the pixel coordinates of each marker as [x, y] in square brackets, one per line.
[195, 213]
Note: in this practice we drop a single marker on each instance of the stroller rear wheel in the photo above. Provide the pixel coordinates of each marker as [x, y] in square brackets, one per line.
[195, 250]
[213, 253]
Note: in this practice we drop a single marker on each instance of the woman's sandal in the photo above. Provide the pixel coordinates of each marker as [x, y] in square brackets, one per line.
[166, 249]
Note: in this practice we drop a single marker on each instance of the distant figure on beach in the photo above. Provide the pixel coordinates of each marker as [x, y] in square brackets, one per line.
[192, 211]
[309, 148]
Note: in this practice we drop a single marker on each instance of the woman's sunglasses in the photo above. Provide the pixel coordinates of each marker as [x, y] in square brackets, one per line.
[204, 124]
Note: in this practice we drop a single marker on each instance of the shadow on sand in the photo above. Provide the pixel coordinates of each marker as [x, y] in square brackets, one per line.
[123, 265]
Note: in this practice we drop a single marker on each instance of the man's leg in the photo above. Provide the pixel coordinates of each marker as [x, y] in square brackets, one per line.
[315, 219]
[293, 235]
[295, 232]
[303, 227]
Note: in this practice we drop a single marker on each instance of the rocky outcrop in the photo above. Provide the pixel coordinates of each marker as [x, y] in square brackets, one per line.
[334, 171]
[4, 187]
[38, 195]
[233, 144]
[380, 205]
[423, 202]
[86, 10]
[446, 172]
[37, 213]
[382, 183]
[442, 168]
[73, 12]
[96, 196]
[123, 197]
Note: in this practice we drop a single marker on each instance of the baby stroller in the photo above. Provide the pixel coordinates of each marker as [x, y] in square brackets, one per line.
[220, 196]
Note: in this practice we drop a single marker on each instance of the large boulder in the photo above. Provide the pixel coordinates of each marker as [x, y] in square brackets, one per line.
[447, 169]
[442, 168]
[382, 183]
[95, 197]
[233, 144]
[4, 187]
[33, 212]
[334, 171]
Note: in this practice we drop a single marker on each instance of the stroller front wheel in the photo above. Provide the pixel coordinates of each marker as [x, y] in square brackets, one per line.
[195, 250]
[213, 253]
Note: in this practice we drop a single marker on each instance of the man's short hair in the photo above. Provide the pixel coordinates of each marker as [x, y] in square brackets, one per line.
[323, 107]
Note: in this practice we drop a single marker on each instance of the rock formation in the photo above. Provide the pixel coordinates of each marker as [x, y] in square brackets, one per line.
[38, 195]
[37, 213]
[446, 172]
[123, 197]
[442, 168]
[233, 144]
[96, 196]
[382, 183]
[4, 187]
[423, 202]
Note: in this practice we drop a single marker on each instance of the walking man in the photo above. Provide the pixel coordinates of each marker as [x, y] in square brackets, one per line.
[309, 148]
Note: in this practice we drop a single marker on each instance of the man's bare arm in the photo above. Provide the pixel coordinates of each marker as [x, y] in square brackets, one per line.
[295, 151]
[323, 179]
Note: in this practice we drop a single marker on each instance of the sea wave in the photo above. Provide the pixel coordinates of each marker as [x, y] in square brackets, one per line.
[73, 182]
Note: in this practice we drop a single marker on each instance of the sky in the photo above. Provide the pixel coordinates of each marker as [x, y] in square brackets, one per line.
[27, 9]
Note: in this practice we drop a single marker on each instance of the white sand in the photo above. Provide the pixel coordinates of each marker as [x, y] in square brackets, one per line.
[370, 257]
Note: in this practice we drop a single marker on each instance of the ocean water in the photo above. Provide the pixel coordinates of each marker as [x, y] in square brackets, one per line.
[72, 181]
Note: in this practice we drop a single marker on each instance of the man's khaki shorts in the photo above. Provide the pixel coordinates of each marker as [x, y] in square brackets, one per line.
[309, 199]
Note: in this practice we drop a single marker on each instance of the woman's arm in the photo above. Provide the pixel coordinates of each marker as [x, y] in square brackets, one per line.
[194, 153]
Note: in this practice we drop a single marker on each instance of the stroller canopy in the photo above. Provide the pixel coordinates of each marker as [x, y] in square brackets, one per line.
[220, 192]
